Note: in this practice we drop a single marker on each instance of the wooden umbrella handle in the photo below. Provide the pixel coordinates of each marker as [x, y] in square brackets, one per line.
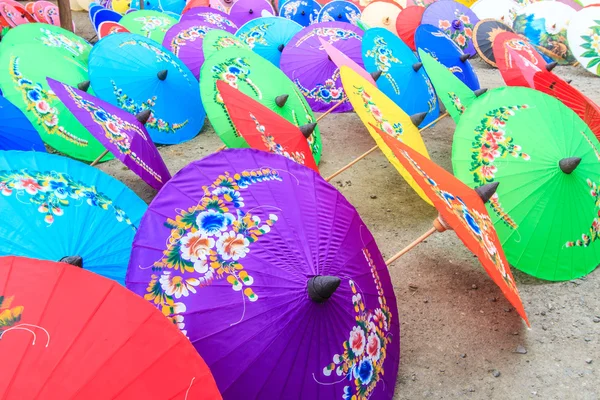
[100, 157]
[441, 117]
[439, 225]
[347, 166]
[326, 113]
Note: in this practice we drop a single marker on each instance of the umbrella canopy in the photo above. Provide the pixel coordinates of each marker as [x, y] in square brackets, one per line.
[268, 36]
[503, 11]
[216, 40]
[585, 108]
[120, 6]
[67, 333]
[303, 12]
[514, 55]
[148, 23]
[106, 15]
[407, 23]
[120, 132]
[382, 14]
[376, 109]
[52, 37]
[306, 63]
[462, 210]
[136, 74]
[341, 59]
[316, 316]
[402, 79]
[455, 20]
[545, 25]
[584, 38]
[258, 78]
[435, 42]
[265, 130]
[452, 92]
[184, 39]
[23, 83]
[210, 16]
[93, 10]
[547, 163]
[483, 37]
[339, 11]
[108, 28]
[243, 11]
[64, 208]
[16, 132]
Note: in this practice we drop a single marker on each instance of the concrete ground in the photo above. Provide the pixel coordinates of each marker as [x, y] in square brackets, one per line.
[458, 335]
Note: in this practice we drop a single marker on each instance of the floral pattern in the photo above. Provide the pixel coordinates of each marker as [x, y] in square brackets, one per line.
[273, 146]
[152, 23]
[365, 351]
[226, 41]
[52, 39]
[53, 191]
[115, 129]
[490, 144]
[290, 9]
[217, 19]
[591, 45]
[463, 36]
[395, 130]
[326, 92]
[208, 242]
[128, 104]
[594, 233]
[38, 101]
[479, 225]
[332, 35]
[351, 15]
[187, 35]
[256, 35]
[384, 58]
[9, 316]
[521, 46]
[456, 103]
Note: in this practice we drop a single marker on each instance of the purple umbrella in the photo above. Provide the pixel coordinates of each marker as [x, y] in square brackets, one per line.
[121, 133]
[185, 39]
[456, 20]
[273, 276]
[305, 61]
[245, 10]
[202, 15]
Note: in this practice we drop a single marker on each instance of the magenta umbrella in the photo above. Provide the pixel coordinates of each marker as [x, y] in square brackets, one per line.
[185, 39]
[245, 10]
[306, 62]
[123, 134]
[211, 16]
[274, 278]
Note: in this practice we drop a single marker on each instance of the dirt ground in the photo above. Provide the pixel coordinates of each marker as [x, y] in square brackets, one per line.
[458, 335]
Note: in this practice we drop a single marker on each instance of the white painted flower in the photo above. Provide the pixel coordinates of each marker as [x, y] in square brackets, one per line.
[177, 285]
[233, 246]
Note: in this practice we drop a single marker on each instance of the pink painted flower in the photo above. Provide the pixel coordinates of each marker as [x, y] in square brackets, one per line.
[31, 186]
[42, 107]
[373, 347]
[488, 171]
[380, 319]
[6, 191]
[469, 32]
[388, 128]
[444, 24]
[376, 113]
[111, 126]
[53, 121]
[490, 153]
[461, 40]
[232, 246]
[357, 341]
[465, 19]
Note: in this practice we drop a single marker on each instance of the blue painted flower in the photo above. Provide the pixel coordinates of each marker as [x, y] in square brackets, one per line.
[61, 189]
[448, 197]
[471, 221]
[91, 198]
[347, 395]
[364, 371]
[231, 195]
[34, 95]
[212, 222]
[234, 70]
[101, 115]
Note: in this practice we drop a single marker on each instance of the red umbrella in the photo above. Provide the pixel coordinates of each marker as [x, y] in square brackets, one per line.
[265, 130]
[516, 59]
[66, 333]
[407, 23]
[587, 110]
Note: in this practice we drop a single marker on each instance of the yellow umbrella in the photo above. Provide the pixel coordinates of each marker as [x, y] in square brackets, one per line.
[121, 6]
[467, 3]
[374, 107]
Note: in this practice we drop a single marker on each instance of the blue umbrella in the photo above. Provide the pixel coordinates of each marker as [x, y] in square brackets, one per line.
[54, 207]
[304, 12]
[402, 77]
[435, 42]
[340, 11]
[93, 10]
[136, 74]
[172, 6]
[267, 36]
[16, 132]
[105, 15]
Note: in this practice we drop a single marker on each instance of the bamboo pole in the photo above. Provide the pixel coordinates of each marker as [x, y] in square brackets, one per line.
[411, 246]
[577, 64]
[64, 11]
[339, 103]
[221, 148]
[438, 119]
[100, 157]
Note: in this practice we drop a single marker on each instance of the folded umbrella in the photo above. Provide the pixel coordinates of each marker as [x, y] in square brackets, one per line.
[303, 12]
[265, 253]
[211, 16]
[339, 11]
[48, 353]
[484, 35]
[455, 20]
[16, 132]
[407, 23]
[584, 38]
[265, 130]
[148, 23]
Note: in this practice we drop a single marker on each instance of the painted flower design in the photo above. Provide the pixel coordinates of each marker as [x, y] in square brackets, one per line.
[594, 232]
[326, 92]
[591, 47]
[384, 59]
[177, 286]
[256, 35]
[187, 35]
[460, 30]
[395, 130]
[9, 315]
[357, 341]
[213, 222]
[52, 39]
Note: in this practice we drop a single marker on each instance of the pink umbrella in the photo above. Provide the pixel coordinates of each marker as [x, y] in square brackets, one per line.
[340, 59]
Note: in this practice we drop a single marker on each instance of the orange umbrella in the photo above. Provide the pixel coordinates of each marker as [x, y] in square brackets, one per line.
[265, 130]
[461, 209]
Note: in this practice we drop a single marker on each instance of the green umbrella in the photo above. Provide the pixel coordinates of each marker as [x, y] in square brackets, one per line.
[547, 163]
[452, 92]
[218, 39]
[149, 23]
[23, 72]
[54, 37]
[259, 79]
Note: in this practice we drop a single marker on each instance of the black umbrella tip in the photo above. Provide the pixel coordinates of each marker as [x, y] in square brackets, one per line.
[417, 66]
[73, 260]
[250, 11]
[551, 66]
[417, 119]
[465, 57]
[569, 81]
[84, 86]
[143, 116]
[486, 192]
[303, 12]
[479, 92]
[376, 74]
[322, 287]
[162, 75]
[568, 165]
[281, 100]
[281, 47]
[308, 129]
